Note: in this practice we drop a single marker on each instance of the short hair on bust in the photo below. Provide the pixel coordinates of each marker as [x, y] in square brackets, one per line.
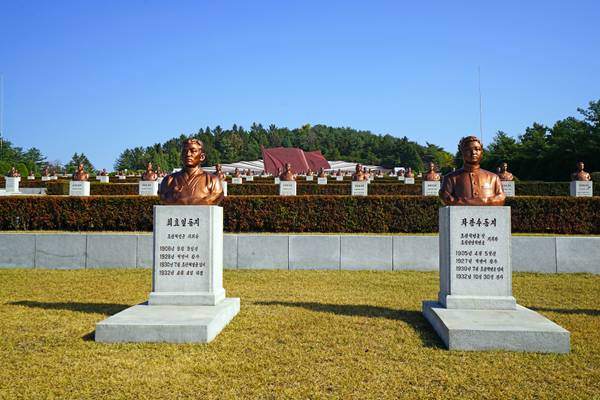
[192, 141]
[468, 139]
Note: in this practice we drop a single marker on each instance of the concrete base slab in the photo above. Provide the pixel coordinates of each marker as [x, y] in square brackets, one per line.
[487, 330]
[169, 324]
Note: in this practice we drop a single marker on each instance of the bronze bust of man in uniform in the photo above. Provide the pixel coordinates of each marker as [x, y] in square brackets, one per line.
[80, 174]
[504, 174]
[431, 175]
[149, 174]
[219, 172]
[471, 185]
[358, 175]
[581, 175]
[192, 185]
[287, 174]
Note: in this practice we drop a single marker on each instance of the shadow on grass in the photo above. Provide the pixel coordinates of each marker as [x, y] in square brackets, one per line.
[583, 311]
[94, 308]
[413, 318]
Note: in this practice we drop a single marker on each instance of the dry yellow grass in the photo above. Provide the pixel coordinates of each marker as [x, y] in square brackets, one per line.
[299, 335]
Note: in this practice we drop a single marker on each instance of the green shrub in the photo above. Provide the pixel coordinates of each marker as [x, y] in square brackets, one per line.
[376, 214]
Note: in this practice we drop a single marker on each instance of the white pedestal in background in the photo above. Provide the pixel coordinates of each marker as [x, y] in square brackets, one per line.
[148, 188]
[581, 188]
[509, 188]
[287, 188]
[430, 188]
[360, 188]
[12, 184]
[79, 188]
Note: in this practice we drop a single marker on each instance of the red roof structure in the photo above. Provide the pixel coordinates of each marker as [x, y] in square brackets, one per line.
[275, 158]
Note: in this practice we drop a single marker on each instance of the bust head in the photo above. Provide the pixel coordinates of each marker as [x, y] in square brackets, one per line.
[192, 153]
[471, 150]
[504, 167]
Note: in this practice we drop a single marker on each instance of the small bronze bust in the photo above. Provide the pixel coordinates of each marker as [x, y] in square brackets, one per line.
[80, 174]
[219, 172]
[149, 174]
[431, 174]
[581, 175]
[236, 173]
[504, 175]
[45, 171]
[160, 172]
[358, 174]
[103, 172]
[192, 185]
[31, 174]
[287, 174]
[471, 185]
[409, 173]
[13, 173]
[321, 173]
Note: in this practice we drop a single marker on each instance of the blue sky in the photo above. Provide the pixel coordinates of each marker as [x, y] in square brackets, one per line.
[101, 76]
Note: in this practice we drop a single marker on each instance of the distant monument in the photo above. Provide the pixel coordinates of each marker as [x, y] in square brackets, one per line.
[103, 172]
[503, 174]
[431, 182]
[80, 174]
[219, 172]
[358, 174]
[287, 174]
[431, 174]
[13, 173]
[506, 179]
[581, 182]
[475, 309]
[149, 174]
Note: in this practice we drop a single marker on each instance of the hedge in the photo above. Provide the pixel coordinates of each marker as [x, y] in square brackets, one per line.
[377, 214]
[307, 188]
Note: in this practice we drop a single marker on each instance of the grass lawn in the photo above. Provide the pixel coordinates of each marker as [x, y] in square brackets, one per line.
[300, 334]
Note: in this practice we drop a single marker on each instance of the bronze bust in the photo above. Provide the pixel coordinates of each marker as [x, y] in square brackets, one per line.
[358, 175]
[103, 172]
[409, 173]
[236, 173]
[581, 175]
[149, 174]
[504, 175]
[431, 174]
[45, 171]
[13, 173]
[192, 185]
[219, 172]
[80, 174]
[321, 173]
[287, 174]
[471, 185]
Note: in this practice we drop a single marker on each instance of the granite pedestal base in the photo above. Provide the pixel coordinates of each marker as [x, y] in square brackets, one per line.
[167, 323]
[520, 329]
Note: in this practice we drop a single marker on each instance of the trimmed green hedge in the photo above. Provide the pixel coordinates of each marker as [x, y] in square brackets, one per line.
[377, 214]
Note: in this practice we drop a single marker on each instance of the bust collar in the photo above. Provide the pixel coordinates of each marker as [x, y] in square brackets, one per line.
[471, 167]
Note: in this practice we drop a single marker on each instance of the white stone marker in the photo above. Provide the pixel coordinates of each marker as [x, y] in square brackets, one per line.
[30, 178]
[104, 178]
[277, 180]
[148, 188]
[401, 178]
[236, 181]
[581, 188]
[309, 178]
[409, 181]
[224, 184]
[321, 181]
[287, 188]
[475, 308]
[122, 177]
[79, 188]
[12, 184]
[249, 178]
[509, 188]
[360, 188]
[430, 188]
[339, 178]
[187, 303]
[54, 177]
[45, 178]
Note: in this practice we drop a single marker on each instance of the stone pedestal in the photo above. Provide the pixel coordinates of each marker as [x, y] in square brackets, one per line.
[45, 178]
[339, 178]
[122, 177]
[148, 188]
[509, 188]
[30, 178]
[54, 177]
[322, 181]
[224, 185]
[400, 178]
[12, 184]
[430, 188]
[79, 188]
[475, 309]
[581, 188]
[187, 302]
[360, 188]
[104, 178]
[236, 181]
[409, 181]
[276, 180]
[249, 178]
[309, 178]
[287, 188]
